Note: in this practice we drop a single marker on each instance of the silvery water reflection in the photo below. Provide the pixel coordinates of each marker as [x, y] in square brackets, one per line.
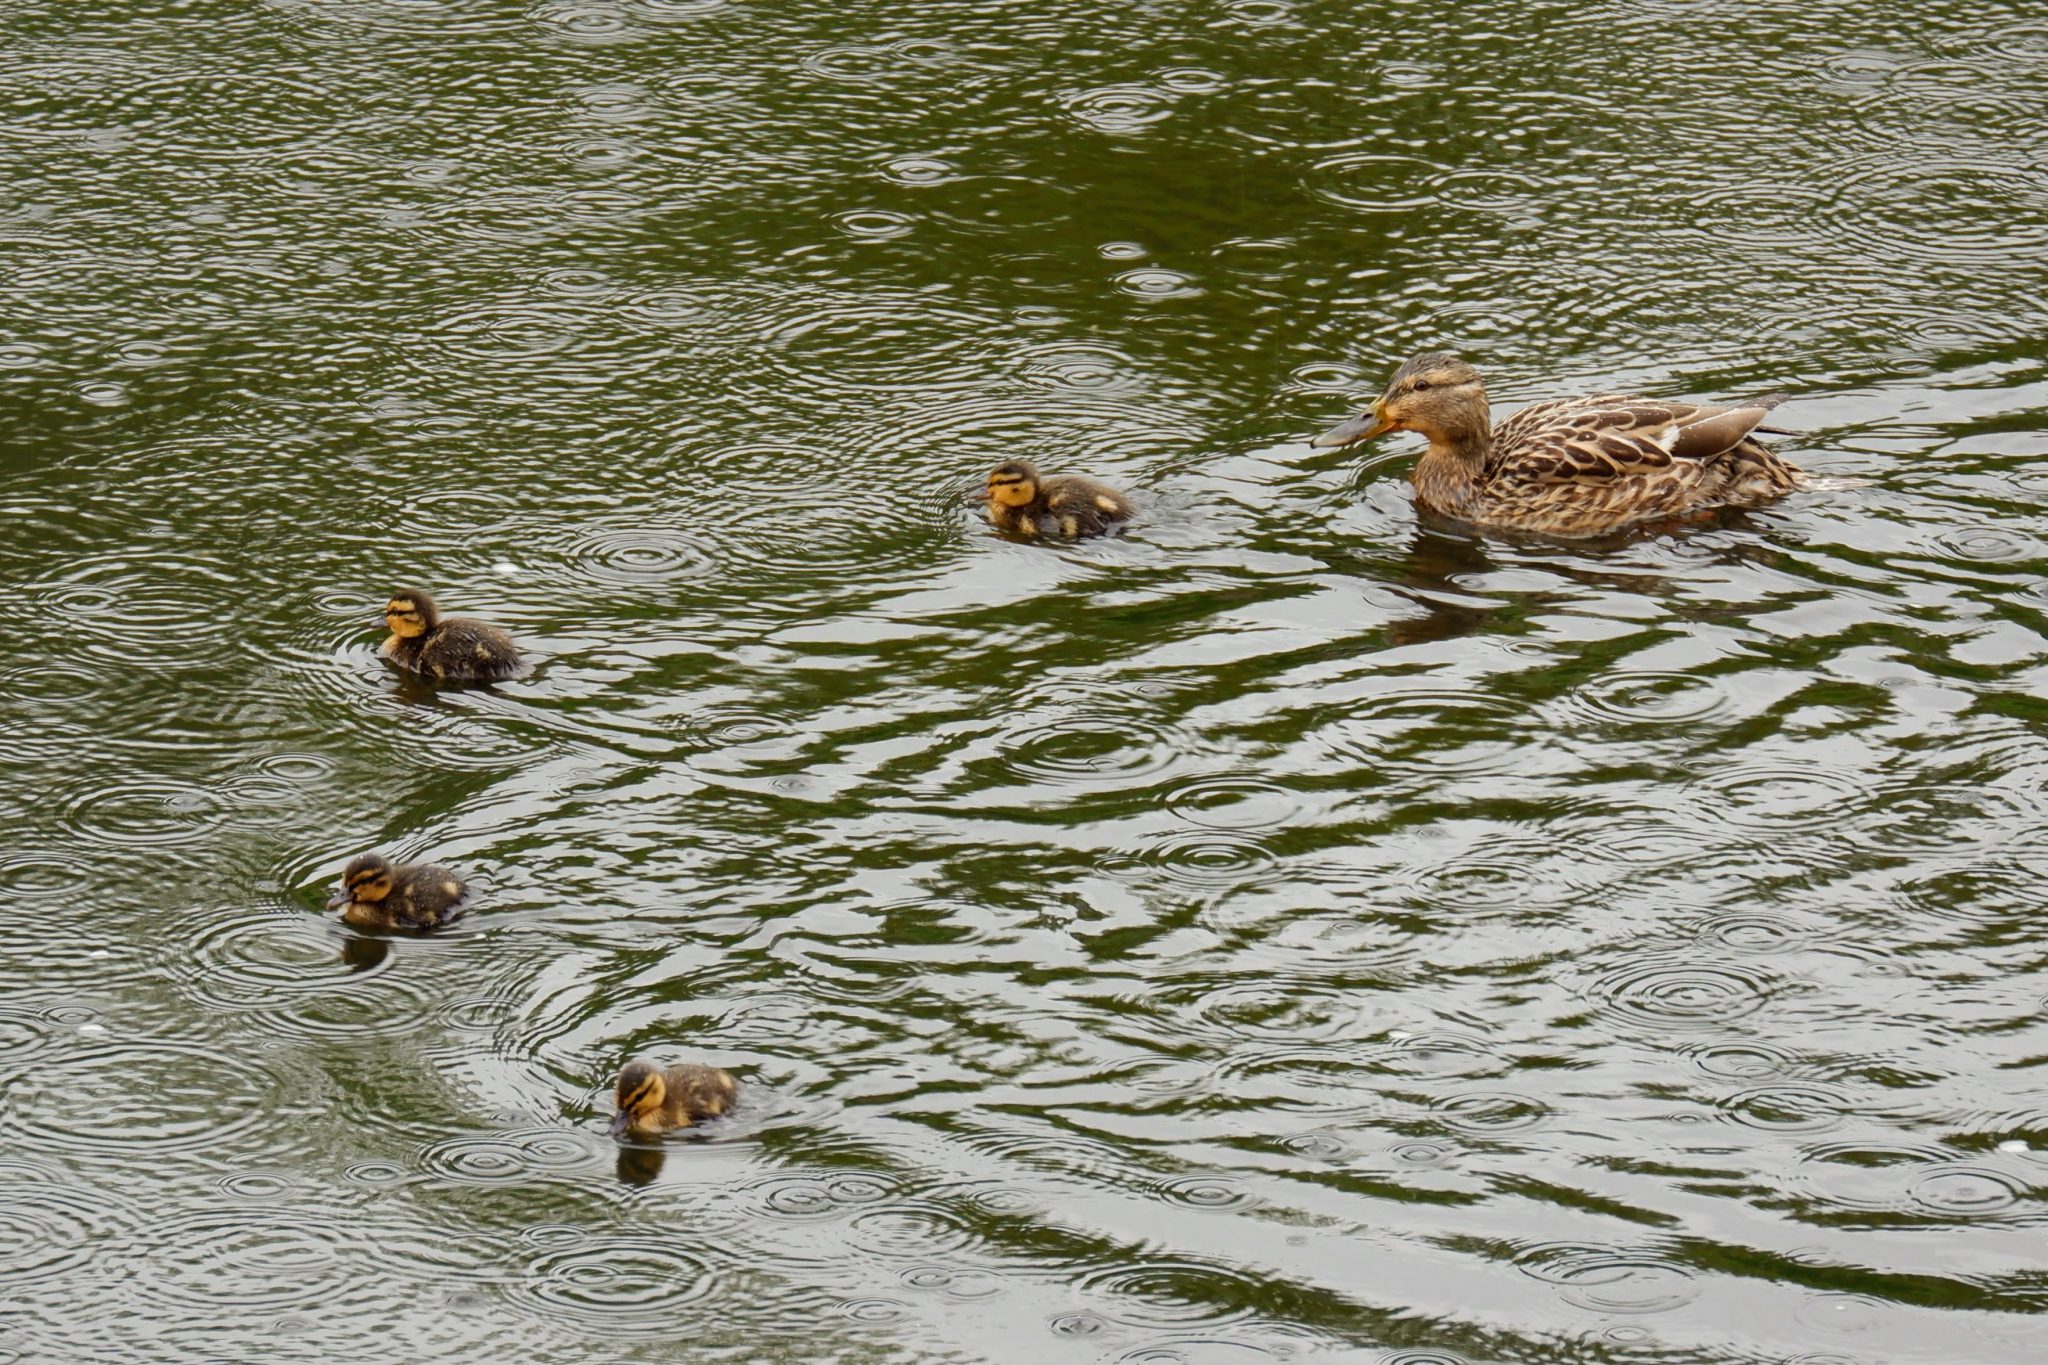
[1289, 930]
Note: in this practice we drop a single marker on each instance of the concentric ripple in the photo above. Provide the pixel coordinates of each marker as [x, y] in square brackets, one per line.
[1653, 698]
[1766, 795]
[289, 974]
[252, 1259]
[1282, 1011]
[631, 1286]
[1212, 858]
[1608, 1279]
[1988, 544]
[920, 170]
[1119, 108]
[1499, 874]
[1444, 730]
[507, 1158]
[1374, 182]
[910, 1228]
[1490, 1112]
[1968, 1192]
[1237, 802]
[1164, 1291]
[855, 346]
[1062, 365]
[50, 1227]
[42, 875]
[1204, 1192]
[1787, 1107]
[1864, 1176]
[143, 811]
[1157, 282]
[1682, 993]
[1089, 746]
[198, 1096]
[636, 554]
[1919, 209]
[808, 1198]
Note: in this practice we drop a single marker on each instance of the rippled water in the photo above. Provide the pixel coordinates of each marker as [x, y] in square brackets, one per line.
[1288, 931]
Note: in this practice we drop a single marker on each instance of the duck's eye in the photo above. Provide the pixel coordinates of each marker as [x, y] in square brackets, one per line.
[1419, 385]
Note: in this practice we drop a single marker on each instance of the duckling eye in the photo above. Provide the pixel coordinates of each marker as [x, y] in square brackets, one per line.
[1419, 385]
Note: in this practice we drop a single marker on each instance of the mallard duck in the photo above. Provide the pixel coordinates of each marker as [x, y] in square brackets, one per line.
[654, 1100]
[451, 649]
[1067, 508]
[376, 895]
[1572, 466]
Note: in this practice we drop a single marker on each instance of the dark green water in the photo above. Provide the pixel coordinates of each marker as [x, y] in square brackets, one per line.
[1286, 932]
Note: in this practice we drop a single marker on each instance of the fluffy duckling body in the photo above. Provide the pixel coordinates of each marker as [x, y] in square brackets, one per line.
[1068, 507]
[446, 649]
[1571, 467]
[418, 896]
[655, 1100]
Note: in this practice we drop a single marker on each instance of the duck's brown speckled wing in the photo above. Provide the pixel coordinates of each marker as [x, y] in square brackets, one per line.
[463, 650]
[427, 896]
[1605, 437]
[700, 1092]
[1079, 506]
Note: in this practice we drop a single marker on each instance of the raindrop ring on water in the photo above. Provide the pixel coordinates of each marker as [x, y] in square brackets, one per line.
[1683, 993]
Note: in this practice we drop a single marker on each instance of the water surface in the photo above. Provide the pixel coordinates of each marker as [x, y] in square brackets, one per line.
[1290, 931]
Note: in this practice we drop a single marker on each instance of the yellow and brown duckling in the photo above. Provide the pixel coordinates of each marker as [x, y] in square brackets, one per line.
[418, 896]
[1571, 467]
[1067, 507]
[446, 649]
[654, 1100]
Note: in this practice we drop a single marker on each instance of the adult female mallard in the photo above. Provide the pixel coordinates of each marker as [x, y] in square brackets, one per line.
[1571, 466]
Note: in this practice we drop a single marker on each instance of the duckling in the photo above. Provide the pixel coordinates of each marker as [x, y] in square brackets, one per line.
[1068, 507]
[451, 649]
[376, 895]
[656, 1100]
[1571, 467]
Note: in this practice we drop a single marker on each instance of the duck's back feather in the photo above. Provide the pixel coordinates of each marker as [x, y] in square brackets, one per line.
[1609, 436]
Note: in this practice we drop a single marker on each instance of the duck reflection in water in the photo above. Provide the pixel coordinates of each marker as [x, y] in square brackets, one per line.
[641, 1164]
[1447, 559]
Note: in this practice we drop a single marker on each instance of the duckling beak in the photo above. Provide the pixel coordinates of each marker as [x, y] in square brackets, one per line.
[338, 899]
[619, 1122]
[1363, 427]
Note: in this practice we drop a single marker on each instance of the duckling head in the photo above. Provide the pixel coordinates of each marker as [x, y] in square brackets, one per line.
[410, 613]
[366, 878]
[1014, 484]
[640, 1093]
[1436, 394]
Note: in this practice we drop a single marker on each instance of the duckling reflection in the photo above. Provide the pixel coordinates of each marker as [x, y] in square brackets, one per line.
[1069, 507]
[420, 897]
[450, 649]
[654, 1101]
[640, 1164]
[360, 953]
